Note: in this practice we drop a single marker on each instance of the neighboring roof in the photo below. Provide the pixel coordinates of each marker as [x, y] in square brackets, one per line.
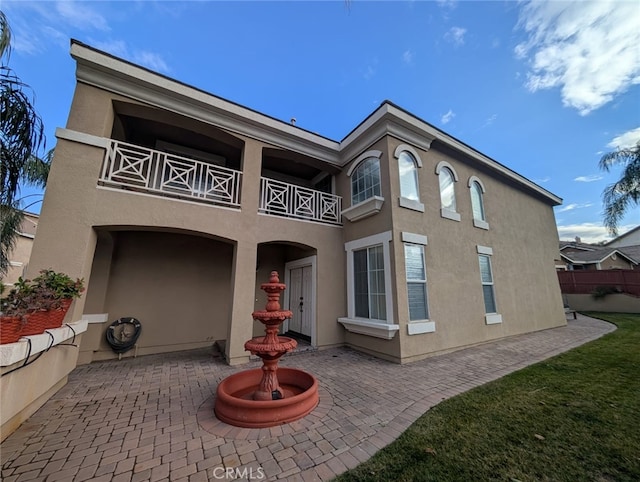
[622, 236]
[577, 245]
[591, 257]
[100, 69]
[632, 252]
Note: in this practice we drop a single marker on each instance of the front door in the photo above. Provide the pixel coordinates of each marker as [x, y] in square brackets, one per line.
[300, 286]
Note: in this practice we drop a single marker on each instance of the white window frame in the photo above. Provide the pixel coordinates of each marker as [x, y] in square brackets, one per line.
[373, 204]
[405, 202]
[448, 213]
[417, 327]
[385, 329]
[478, 223]
[490, 318]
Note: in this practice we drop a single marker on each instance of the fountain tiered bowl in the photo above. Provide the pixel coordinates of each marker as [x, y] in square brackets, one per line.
[267, 396]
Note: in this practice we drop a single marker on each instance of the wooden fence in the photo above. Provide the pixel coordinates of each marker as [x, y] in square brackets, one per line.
[585, 282]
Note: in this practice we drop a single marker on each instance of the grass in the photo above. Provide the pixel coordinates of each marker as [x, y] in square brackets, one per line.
[574, 417]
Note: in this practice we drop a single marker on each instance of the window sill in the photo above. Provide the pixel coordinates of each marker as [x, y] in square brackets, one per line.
[448, 214]
[419, 327]
[479, 223]
[376, 329]
[411, 204]
[364, 209]
[493, 319]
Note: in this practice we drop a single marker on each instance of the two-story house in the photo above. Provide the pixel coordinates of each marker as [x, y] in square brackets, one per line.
[175, 204]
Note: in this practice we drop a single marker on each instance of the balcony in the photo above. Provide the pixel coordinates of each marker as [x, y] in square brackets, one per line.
[283, 199]
[135, 168]
[132, 167]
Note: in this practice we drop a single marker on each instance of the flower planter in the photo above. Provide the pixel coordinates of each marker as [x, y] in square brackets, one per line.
[10, 329]
[56, 315]
[36, 323]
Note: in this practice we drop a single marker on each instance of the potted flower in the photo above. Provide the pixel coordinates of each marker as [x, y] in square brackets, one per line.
[39, 304]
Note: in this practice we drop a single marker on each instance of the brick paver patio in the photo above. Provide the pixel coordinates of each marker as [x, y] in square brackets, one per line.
[151, 418]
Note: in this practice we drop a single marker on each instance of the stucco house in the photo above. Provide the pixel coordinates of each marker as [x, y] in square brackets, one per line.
[19, 256]
[582, 256]
[175, 204]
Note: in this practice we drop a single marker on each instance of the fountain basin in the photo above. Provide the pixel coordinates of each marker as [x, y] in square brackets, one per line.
[235, 405]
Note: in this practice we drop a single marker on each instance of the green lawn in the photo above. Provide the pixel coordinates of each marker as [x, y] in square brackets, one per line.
[574, 417]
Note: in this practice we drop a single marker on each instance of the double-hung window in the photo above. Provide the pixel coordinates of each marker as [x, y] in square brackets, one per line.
[486, 275]
[416, 282]
[488, 291]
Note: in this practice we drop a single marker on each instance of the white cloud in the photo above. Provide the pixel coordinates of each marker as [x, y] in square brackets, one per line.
[542, 180]
[448, 117]
[589, 232]
[407, 56]
[145, 58]
[455, 35]
[490, 120]
[588, 49]
[80, 15]
[590, 178]
[628, 139]
[572, 206]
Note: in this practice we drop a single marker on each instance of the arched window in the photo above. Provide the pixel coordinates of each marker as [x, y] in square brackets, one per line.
[447, 189]
[477, 191]
[365, 180]
[476, 201]
[447, 178]
[408, 176]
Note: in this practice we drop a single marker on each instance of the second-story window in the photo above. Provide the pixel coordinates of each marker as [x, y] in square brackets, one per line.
[447, 189]
[447, 178]
[365, 180]
[408, 176]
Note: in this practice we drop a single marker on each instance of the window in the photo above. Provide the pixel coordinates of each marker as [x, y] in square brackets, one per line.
[447, 191]
[486, 276]
[369, 289]
[408, 163]
[369, 300]
[365, 181]
[477, 202]
[416, 282]
[491, 316]
[447, 178]
[366, 191]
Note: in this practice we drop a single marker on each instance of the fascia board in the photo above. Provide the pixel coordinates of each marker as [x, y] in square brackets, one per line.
[120, 77]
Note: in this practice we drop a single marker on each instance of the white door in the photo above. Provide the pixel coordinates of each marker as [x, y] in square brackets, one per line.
[300, 286]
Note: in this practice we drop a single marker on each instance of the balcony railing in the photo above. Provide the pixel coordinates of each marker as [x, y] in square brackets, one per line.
[288, 200]
[139, 168]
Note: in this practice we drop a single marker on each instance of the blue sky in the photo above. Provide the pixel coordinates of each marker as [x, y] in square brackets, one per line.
[545, 87]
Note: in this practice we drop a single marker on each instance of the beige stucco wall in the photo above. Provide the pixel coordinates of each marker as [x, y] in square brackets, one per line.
[522, 234]
[76, 210]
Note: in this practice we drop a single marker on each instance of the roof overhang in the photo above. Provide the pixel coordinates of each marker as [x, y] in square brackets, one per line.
[118, 76]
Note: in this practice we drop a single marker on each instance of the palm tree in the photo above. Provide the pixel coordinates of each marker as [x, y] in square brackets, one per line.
[21, 137]
[625, 192]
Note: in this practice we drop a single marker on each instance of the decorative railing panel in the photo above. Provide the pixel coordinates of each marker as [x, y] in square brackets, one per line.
[284, 199]
[147, 170]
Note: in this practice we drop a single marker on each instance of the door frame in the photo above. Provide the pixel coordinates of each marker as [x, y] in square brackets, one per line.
[301, 263]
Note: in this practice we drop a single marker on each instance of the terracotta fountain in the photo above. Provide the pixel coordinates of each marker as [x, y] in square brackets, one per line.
[269, 396]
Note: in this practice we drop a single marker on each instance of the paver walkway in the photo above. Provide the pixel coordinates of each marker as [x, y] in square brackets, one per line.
[150, 418]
